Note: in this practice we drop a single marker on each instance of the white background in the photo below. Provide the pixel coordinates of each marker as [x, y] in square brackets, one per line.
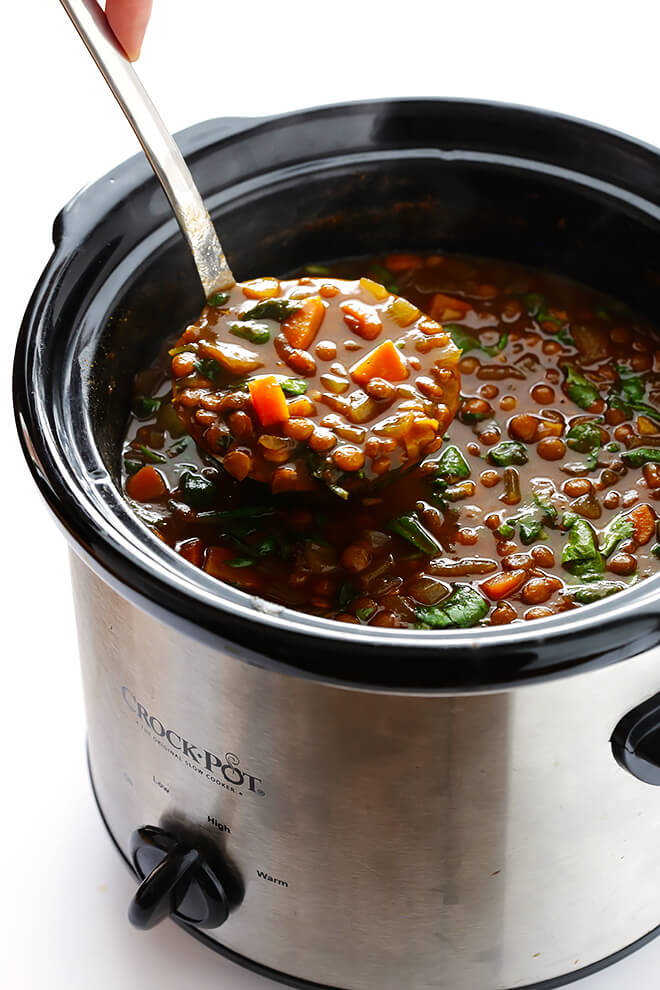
[63, 891]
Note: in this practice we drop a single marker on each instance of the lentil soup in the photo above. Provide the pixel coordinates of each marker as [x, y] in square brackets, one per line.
[542, 498]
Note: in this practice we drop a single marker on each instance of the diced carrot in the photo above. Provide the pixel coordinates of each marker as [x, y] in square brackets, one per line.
[447, 308]
[502, 585]
[146, 485]
[361, 319]
[643, 520]
[385, 361]
[261, 288]
[268, 399]
[219, 566]
[301, 327]
[401, 262]
[193, 551]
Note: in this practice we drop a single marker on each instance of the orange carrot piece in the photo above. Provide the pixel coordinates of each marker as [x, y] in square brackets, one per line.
[401, 262]
[301, 327]
[261, 288]
[643, 520]
[217, 564]
[192, 551]
[146, 485]
[447, 308]
[385, 361]
[361, 319]
[268, 399]
[502, 585]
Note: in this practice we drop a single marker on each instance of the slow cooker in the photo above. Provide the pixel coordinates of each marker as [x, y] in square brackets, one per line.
[342, 806]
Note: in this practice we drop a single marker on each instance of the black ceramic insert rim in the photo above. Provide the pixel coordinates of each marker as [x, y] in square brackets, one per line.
[131, 559]
[292, 981]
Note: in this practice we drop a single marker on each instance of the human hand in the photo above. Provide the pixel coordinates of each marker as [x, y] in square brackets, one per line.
[128, 20]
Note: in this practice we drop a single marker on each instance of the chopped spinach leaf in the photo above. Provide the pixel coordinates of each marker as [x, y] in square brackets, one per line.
[530, 529]
[580, 389]
[584, 437]
[641, 455]
[145, 406]
[132, 467]
[507, 452]
[273, 309]
[252, 330]
[580, 555]
[467, 341]
[410, 528]
[585, 594]
[533, 303]
[241, 562]
[152, 456]
[565, 337]
[451, 465]
[464, 608]
[364, 614]
[294, 386]
[619, 528]
[207, 368]
[197, 491]
[219, 299]
[347, 593]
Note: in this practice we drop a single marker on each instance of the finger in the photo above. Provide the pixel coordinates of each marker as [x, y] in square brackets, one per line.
[128, 20]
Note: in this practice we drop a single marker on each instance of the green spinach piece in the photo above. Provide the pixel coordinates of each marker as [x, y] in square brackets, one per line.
[530, 529]
[252, 330]
[507, 452]
[409, 528]
[619, 528]
[151, 456]
[219, 299]
[640, 456]
[197, 491]
[464, 608]
[580, 555]
[146, 405]
[294, 386]
[364, 614]
[273, 309]
[451, 465]
[595, 592]
[132, 467]
[580, 389]
[586, 438]
[467, 341]
[241, 562]
[207, 368]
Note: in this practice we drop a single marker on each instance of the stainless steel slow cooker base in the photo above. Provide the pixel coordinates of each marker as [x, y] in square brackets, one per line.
[292, 981]
[481, 840]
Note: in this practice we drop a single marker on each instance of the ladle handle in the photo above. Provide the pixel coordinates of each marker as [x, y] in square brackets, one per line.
[159, 145]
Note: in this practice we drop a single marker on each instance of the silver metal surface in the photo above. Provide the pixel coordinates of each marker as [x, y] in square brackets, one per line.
[471, 842]
[159, 145]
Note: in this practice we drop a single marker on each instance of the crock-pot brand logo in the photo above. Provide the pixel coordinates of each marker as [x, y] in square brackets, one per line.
[222, 770]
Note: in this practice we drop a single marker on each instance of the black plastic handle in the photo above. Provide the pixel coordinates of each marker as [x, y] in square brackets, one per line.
[636, 741]
[177, 880]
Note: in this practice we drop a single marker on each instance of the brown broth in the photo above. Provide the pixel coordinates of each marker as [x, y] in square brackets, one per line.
[566, 377]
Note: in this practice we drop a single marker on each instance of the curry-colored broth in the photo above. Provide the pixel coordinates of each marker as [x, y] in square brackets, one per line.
[563, 514]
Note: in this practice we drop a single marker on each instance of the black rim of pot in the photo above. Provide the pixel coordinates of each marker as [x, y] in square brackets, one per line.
[157, 579]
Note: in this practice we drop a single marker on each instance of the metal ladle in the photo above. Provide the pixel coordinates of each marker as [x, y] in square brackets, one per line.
[158, 144]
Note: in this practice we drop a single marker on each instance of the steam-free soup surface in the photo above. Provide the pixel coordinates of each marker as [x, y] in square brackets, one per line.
[542, 498]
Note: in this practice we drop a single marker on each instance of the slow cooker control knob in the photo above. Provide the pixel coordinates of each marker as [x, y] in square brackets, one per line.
[636, 741]
[176, 879]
